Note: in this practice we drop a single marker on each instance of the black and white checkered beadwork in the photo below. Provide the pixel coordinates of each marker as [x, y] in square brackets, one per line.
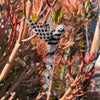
[44, 32]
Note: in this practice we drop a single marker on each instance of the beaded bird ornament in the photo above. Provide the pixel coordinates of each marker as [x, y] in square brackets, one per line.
[51, 36]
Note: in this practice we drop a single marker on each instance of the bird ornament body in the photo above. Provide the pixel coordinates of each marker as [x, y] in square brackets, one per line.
[52, 37]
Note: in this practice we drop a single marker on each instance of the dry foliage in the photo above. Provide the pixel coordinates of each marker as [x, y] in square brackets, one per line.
[21, 59]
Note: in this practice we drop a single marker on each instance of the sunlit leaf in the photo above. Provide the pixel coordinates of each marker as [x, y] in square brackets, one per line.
[58, 15]
[34, 18]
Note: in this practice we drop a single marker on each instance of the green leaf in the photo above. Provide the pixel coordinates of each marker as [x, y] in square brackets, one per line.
[58, 15]
[34, 18]
[61, 13]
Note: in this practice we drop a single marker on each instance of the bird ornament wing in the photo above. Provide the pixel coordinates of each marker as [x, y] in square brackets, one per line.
[41, 31]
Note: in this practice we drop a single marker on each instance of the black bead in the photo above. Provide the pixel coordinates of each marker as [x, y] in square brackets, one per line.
[44, 37]
[35, 23]
[32, 23]
[37, 33]
[42, 30]
[39, 30]
[34, 26]
[46, 24]
[47, 33]
[47, 37]
[43, 33]
[36, 30]
[51, 36]
[51, 33]
[40, 33]
[45, 30]
[46, 40]
[37, 26]
[40, 26]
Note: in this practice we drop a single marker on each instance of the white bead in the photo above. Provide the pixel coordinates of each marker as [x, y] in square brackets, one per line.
[48, 93]
[53, 64]
[45, 86]
[51, 72]
[55, 56]
[51, 78]
[47, 81]
[50, 60]
[46, 74]
[48, 67]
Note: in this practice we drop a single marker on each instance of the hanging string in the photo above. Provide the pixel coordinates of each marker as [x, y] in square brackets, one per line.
[51, 6]
[87, 40]
[51, 21]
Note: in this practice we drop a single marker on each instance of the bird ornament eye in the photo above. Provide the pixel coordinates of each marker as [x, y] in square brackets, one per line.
[61, 28]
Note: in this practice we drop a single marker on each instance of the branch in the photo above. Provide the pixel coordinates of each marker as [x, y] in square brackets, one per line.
[66, 93]
[11, 58]
[8, 65]
[22, 77]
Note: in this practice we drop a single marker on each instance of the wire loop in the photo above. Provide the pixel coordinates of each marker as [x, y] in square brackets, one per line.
[50, 5]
